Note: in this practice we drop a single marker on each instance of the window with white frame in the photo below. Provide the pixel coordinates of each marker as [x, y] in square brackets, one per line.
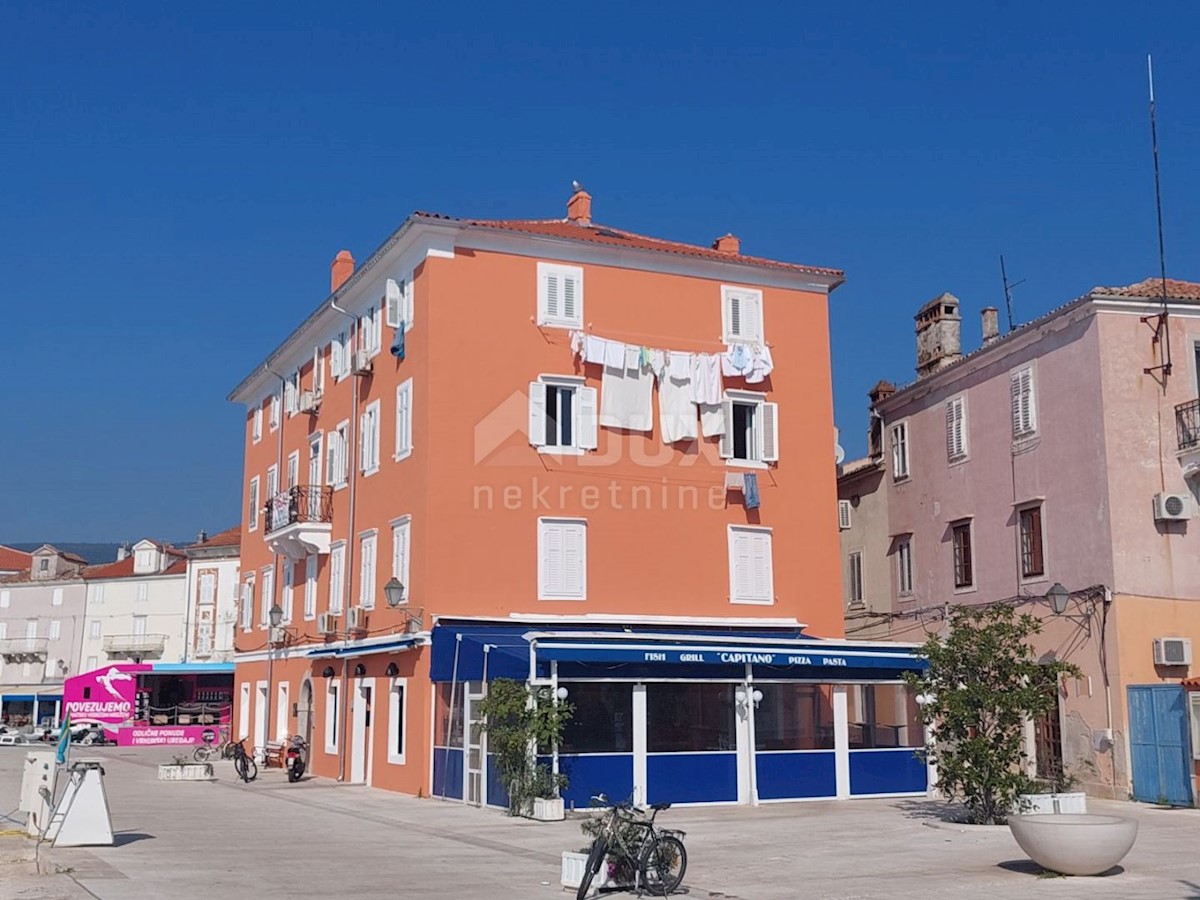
[562, 559]
[318, 372]
[560, 295]
[339, 356]
[274, 411]
[252, 512]
[904, 567]
[398, 299]
[964, 555]
[331, 716]
[55, 629]
[751, 569]
[289, 590]
[92, 663]
[899, 438]
[369, 331]
[397, 720]
[310, 587]
[281, 712]
[337, 563]
[248, 603]
[272, 482]
[843, 515]
[854, 578]
[6, 599]
[291, 393]
[1023, 402]
[293, 468]
[256, 425]
[338, 445]
[562, 414]
[143, 592]
[1033, 557]
[404, 420]
[751, 428]
[315, 473]
[401, 536]
[97, 597]
[368, 440]
[741, 315]
[267, 600]
[244, 710]
[56, 599]
[94, 630]
[366, 569]
[956, 429]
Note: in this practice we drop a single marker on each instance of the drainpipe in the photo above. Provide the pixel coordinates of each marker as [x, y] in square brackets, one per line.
[274, 555]
[347, 578]
[1108, 707]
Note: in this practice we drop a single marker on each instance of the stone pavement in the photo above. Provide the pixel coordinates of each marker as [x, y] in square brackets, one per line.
[271, 839]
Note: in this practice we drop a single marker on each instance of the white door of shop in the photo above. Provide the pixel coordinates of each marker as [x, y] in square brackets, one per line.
[475, 792]
[364, 735]
[260, 717]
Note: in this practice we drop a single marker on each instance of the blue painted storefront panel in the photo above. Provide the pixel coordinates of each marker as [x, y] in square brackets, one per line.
[898, 771]
[789, 776]
[497, 795]
[1159, 744]
[447, 772]
[691, 777]
[592, 774]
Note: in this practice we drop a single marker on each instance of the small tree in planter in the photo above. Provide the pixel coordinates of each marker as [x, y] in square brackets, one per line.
[517, 721]
[982, 684]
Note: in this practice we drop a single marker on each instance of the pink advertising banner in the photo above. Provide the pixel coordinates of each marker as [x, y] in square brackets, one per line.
[157, 736]
[104, 695]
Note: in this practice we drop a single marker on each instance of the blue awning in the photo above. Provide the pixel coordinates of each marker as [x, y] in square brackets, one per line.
[833, 656]
[344, 652]
[200, 668]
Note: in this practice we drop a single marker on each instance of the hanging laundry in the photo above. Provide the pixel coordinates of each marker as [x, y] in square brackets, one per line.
[736, 361]
[676, 409]
[706, 378]
[750, 490]
[577, 340]
[626, 397]
[658, 362]
[712, 419]
[614, 354]
[594, 349]
[633, 357]
[761, 363]
[680, 365]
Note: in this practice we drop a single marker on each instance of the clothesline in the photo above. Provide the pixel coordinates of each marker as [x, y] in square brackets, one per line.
[630, 335]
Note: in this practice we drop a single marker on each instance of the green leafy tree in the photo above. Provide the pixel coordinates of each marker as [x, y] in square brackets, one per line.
[982, 684]
[515, 726]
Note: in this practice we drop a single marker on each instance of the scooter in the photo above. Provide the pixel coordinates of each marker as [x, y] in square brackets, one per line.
[296, 751]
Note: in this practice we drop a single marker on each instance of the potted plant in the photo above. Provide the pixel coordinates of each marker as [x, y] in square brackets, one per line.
[611, 873]
[518, 720]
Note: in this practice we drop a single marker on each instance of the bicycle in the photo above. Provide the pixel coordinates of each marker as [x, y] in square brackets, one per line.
[658, 859]
[243, 763]
[220, 750]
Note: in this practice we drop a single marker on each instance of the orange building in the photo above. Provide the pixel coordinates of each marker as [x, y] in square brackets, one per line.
[558, 451]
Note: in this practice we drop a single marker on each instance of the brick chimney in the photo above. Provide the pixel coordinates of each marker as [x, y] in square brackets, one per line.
[579, 207]
[939, 335]
[991, 324]
[342, 268]
[727, 243]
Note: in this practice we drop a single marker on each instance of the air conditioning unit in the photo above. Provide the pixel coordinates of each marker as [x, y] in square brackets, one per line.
[1172, 507]
[356, 619]
[308, 402]
[327, 623]
[361, 364]
[1172, 651]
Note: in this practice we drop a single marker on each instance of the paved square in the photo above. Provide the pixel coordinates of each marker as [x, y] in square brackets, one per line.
[271, 839]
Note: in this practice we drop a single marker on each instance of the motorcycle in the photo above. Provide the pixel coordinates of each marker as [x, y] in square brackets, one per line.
[296, 752]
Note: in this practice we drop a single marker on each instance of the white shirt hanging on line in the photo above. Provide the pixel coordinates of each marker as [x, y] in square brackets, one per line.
[626, 397]
[712, 419]
[676, 409]
[706, 378]
[761, 363]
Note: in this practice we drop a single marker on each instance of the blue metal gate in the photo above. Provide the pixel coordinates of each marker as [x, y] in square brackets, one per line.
[1159, 744]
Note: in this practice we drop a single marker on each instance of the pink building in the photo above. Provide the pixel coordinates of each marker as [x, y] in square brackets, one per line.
[1063, 453]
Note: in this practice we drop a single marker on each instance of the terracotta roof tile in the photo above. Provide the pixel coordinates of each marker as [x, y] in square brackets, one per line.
[230, 537]
[123, 568]
[15, 560]
[616, 237]
[1152, 288]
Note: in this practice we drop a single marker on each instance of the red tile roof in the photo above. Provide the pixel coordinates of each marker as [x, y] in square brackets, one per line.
[230, 537]
[14, 560]
[616, 237]
[123, 568]
[1152, 288]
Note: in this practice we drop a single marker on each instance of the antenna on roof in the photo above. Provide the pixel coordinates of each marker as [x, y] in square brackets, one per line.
[1008, 292]
[1161, 323]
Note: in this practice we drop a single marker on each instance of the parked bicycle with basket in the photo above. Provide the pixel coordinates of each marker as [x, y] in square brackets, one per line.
[652, 858]
[214, 749]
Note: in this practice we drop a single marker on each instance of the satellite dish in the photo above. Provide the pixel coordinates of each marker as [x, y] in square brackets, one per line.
[839, 454]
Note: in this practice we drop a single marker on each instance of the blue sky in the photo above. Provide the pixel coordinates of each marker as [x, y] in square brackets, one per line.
[175, 180]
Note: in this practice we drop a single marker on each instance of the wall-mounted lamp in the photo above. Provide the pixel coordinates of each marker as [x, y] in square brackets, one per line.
[396, 595]
[755, 695]
[328, 673]
[275, 615]
[392, 670]
[1058, 597]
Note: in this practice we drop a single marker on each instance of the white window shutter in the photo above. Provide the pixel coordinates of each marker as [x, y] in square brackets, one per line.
[551, 296]
[586, 437]
[770, 432]
[410, 306]
[843, 514]
[752, 318]
[762, 577]
[1029, 419]
[742, 564]
[393, 299]
[552, 559]
[570, 297]
[952, 451]
[725, 446]
[335, 356]
[574, 576]
[733, 314]
[1015, 398]
[537, 414]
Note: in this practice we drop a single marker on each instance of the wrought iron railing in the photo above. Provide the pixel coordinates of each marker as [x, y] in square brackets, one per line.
[1187, 424]
[302, 503]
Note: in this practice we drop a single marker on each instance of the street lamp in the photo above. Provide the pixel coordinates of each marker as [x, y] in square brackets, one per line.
[394, 592]
[275, 614]
[1058, 597]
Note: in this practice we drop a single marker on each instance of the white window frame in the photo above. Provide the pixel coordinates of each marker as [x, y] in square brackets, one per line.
[844, 515]
[293, 469]
[310, 587]
[340, 363]
[275, 412]
[93, 662]
[332, 701]
[402, 553]
[56, 598]
[266, 597]
[318, 440]
[370, 332]
[957, 442]
[905, 568]
[732, 531]
[272, 483]
[291, 394]
[244, 710]
[256, 423]
[368, 566]
[546, 591]
[254, 499]
[1023, 402]
[585, 415]
[404, 420]
[397, 709]
[55, 630]
[337, 585]
[747, 298]
[338, 450]
[368, 440]
[288, 593]
[281, 711]
[143, 592]
[318, 373]
[856, 589]
[549, 274]
[6, 599]
[1040, 506]
[398, 302]
[974, 585]
[95, 630]
[764, 442]
[899, 440]
[247, 602]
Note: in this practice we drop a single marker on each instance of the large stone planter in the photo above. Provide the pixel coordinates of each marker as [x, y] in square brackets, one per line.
[1078, 844]
[186, 772]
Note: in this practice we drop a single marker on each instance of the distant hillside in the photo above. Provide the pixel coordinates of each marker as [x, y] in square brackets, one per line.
[93, 553]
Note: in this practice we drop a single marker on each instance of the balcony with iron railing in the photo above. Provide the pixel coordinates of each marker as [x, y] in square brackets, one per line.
[299, 520]
[135, 646]
[1187, 425]
[24, 650]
